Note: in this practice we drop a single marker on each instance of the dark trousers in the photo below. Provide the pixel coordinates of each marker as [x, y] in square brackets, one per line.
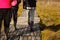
[31, 18]
[14, 14]
[5, 14]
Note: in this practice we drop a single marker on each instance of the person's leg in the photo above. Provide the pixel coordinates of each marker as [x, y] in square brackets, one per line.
[15, 16]
[7, 19]
[0, 26]
[0, 21]
[31, 19]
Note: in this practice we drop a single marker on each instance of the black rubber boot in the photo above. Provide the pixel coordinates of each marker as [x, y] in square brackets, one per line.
[31, 26]
[15, 26]
[7, 33]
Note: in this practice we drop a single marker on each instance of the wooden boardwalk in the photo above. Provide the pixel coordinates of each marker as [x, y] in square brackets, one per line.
[23, 31]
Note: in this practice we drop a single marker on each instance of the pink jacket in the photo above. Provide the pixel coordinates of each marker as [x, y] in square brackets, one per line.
[5, 3]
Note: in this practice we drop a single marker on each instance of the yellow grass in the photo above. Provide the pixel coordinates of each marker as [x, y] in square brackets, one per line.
[20, 10]
[57, 35]
[48, 34]
[49, 12]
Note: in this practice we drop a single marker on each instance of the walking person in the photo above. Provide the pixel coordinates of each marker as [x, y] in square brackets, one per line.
[5, 14]
[14, 12]
[31, 6]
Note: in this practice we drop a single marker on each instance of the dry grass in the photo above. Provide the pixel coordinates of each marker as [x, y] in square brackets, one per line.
[47, 34]
[20, 10]
[57, 35]
[49, 12]
[50, 35]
